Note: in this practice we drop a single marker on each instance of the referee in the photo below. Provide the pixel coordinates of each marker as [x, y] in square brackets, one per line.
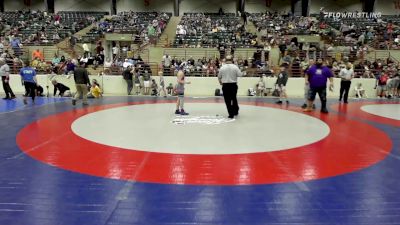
[227, 76]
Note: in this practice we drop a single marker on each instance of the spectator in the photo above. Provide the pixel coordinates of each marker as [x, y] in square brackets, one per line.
[170, 88]
[107, 66]
[128, 77]
[261, 86]
[360, 91]
[167, 61]
[85, 49]
[146, 82]
[137, 83]
[56, 60]
[16, 46]
[380, 85]
[72, 42]
[95, 91]
[70, 66]
[37, 54]
[154, 88]
[162, 84]
[126, 64]
[115, 52]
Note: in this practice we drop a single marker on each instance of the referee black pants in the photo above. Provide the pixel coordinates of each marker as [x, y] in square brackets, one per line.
[6, 87]
[230, 91]
[30, 90]
[344, 89]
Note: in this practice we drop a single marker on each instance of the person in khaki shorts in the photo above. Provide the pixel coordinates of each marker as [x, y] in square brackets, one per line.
[81, 78]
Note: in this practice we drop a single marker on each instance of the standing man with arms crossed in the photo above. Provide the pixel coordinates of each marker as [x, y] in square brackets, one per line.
[81, 77]
[5, 78]
[128, 77]
[317, 76]
[227, 76]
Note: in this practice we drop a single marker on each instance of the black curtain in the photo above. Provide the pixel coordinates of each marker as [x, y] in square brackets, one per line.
[368, 6]
[240, 5]
[304, 7]
[27, 3]
[176, 7]
[1, 5]
[50, 6]
[113, 7]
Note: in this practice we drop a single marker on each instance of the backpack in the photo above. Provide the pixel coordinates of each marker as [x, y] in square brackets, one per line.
[217, 92]
[276, 93]
[251, 92]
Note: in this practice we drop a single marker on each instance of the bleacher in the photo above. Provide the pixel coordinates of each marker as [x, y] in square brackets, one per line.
[227, 30]
[287, 25]
[38, 28]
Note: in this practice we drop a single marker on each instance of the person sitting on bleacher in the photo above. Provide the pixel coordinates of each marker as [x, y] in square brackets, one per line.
[37, 54]
[56, 60]
[35, 63]
[70, 67]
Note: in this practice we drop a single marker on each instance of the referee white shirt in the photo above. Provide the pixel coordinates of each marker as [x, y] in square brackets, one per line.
[229, 73]
[346, 74]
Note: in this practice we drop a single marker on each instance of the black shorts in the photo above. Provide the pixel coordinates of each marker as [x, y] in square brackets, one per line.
[312, 92]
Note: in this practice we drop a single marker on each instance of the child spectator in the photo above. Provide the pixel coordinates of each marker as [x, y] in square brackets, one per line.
[360, 92]
[162, 84]
[154, 88]
[381, 85]
[95, 91]
[137, 83]
[169, 89]
[261, 86]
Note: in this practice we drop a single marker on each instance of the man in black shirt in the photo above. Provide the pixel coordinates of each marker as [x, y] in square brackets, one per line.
[61, 88]
[127, 75]
[281, 83]
[282, 50]
[221, 49]
[81, 77]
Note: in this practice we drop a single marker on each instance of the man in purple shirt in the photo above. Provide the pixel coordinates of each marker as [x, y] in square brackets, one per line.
[317, 77]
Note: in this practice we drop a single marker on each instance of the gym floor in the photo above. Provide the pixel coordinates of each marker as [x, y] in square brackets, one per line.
[131, 160]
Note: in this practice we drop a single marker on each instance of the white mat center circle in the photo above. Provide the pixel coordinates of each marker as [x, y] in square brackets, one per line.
[149, 127]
